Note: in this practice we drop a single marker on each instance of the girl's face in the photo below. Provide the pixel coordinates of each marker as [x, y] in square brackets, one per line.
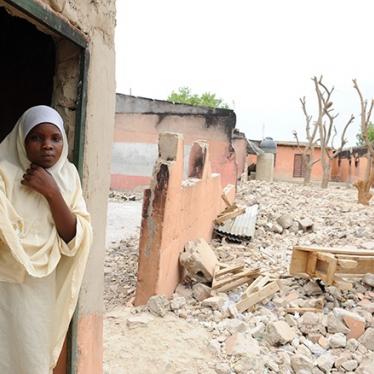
[44, 145]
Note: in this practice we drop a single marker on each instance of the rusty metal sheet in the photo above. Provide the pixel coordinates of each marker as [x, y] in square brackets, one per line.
[240, 228]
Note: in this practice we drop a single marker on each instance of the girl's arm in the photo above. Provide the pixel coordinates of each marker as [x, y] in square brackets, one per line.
[41, 181]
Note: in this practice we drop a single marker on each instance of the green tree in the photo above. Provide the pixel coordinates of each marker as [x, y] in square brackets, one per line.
[360, 139]
[185, 96]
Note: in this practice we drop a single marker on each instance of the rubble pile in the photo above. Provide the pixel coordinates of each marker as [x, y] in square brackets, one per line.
[305, 326]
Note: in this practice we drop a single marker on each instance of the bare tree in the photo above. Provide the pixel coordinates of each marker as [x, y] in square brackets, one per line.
[363, 186]
[326, 128]
[308, 151]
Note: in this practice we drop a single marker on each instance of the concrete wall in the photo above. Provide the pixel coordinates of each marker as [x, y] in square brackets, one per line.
[138, 124]
[196, 202]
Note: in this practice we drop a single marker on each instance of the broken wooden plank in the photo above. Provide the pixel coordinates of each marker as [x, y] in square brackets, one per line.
[255, 297]
[236, 283]
[226, 200]
[347, 263]
[343, 251]
[229, 269]
[259, 282]
[229, 278]
[228, 215]
[326, 267]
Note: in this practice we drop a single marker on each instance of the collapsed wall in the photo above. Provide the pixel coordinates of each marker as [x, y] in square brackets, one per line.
[174, 212]
[138, 124]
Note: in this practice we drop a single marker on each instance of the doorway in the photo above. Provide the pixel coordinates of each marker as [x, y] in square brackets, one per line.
[27, 67]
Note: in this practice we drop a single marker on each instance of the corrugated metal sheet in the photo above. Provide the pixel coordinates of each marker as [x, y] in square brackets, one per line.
[242, 227]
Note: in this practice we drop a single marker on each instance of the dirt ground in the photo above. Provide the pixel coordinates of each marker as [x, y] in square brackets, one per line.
[192, 338]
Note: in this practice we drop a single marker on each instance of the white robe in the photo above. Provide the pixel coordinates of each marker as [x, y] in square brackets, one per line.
[40, 274]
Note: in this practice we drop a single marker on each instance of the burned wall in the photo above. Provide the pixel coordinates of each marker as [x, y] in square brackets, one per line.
[196, 201]
[139, 121]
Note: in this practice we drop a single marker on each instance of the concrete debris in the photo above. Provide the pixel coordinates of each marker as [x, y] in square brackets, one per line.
[285, 221]
[200, 291]
[368, 279]
[139, 320]
[306, 224]
[284, 331]
[279, 333]
[325, 362]
[215, 302]
[158, 305]
[199, 260]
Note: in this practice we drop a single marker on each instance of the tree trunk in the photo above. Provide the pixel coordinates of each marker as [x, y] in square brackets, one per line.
[363, 186]
[325, 169]
[308, 174]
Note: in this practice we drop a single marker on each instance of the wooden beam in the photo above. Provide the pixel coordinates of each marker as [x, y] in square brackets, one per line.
[258, 296]
[244, 274]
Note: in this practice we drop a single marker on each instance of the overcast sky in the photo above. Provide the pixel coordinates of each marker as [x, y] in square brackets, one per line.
[258, 56]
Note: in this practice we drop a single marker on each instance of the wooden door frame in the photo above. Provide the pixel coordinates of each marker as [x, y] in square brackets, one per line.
[58, 25]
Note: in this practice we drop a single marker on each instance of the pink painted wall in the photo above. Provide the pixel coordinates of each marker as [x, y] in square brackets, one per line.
[174, 212]
[240, 146]
[284, 163]
[143, 129]
[350, 172]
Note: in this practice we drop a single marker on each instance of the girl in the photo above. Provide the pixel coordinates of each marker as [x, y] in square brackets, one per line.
[45, 235]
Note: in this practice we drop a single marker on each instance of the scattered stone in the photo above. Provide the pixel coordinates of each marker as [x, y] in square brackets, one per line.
[325, 362]
[277, 229]
[158, 305]
[249, 363]
[367, 339]
[301, 364]
[335, 324]
[312, 289]
[368, 279]
[352, 344]
[200, 291]
[353, 321]
[239, 344]
[350, 365]
[199, 260]
[306, 224]
[139, 320]
[338, 340]
[279, 333]
[184, 291]
[222, 368]
[345, 356]
[309, 322]
[323, 342]
[177, 302]
[215, 302]
[285, 221]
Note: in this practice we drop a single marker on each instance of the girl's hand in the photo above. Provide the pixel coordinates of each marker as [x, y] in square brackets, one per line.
[38, 179]
[41, 181]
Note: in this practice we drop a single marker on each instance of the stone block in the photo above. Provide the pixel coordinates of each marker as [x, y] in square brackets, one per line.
[279, 333]
[199, 260]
